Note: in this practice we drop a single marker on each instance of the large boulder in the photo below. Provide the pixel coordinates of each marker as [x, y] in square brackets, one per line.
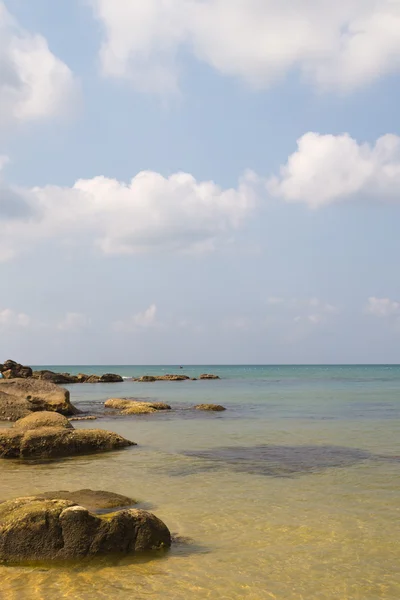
[111, 378]
[11, 369]
[34, 529]
[28, 439]
[20, 397]
[41, 419]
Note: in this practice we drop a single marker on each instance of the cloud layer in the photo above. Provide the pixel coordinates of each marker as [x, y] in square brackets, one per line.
[150, 213]
[340, 45]
[328, 168]
[34, 83]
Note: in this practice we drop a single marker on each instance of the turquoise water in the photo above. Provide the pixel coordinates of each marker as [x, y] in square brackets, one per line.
[293, 493]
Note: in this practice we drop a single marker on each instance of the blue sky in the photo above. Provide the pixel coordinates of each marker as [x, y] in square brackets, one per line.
[199, 182]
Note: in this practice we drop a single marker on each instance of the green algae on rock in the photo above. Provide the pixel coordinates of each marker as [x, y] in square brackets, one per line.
[37, 529]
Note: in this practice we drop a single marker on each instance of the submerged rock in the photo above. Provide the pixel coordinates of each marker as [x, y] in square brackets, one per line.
[20, 397]
[28, 439]
[210, 407]
[93, 500]
[11, 369]
[34, 528]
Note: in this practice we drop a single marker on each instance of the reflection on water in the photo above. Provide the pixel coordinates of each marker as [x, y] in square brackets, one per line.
[327, 529]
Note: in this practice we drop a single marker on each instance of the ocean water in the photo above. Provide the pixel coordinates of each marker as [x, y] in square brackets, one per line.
[293, 493]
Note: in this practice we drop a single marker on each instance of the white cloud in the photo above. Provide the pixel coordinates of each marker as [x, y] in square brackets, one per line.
[328, 168]
[73, 322]
[337, 45]
[34, 83]
[311, 311]
[382, 307]
[10, 318]
[141, 320]
[151, 212]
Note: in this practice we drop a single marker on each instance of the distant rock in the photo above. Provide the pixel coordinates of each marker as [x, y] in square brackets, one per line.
[172, 377]
[111, 378]
[11, 369]
[146, 379]
[67, 378]
[34, 529]
[54, 377]
[209, 376]
[28, 439]
[210, 407]
[20, 397]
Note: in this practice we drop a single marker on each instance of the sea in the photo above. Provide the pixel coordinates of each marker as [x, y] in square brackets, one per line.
[292, 493]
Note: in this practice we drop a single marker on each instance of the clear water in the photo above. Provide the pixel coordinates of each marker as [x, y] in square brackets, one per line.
[304, 504]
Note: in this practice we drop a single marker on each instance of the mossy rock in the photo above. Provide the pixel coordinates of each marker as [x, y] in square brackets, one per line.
[37, 529]
[210, 407]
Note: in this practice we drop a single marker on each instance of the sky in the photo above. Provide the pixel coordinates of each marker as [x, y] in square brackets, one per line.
[199, 181]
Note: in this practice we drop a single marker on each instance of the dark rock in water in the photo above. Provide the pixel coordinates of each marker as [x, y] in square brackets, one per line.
[11, 369]
[35, 529]
[208, 376]
[20, 397]
[282, 461]
[210, 407]
[147, 379]
[93, 500]
[54, 377]
[47, 437]
[111, 378]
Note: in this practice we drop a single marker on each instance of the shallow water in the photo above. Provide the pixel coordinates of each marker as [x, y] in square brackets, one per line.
[292, 493]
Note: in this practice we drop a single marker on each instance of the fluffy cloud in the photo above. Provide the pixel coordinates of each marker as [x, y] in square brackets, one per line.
[73, 322]
[340, 45]
[34, 84]
[151, 212]
[382, 307]
[11, 318]
[328, 168]
[141, 320]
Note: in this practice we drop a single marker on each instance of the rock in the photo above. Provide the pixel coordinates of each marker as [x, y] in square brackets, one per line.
[208, 376]
[20, 397]
[55, 440]
[111, 378]
[93, 500]
[11, 369]
[39, 529]
[54, 377]
[41, 419]
[92, 379]
[88, 418]
[210, 407]
[146, 379]
[172, 378]
[134, 407]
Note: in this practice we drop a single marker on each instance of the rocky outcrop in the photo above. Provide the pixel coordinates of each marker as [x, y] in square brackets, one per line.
[209, 376]
[210, 407]
[20, 397]
[28, 439]
[134, 407]
[67, 378]
[11, 369]
[33, 528]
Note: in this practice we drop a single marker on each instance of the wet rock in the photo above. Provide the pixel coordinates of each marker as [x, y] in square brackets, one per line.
[27, 439]
[172, 377]
[87, 418]
[111, 378]
[40, 529]
[45, 375]
[208, 376]
[93, 500]
[20, 397]
[146, 379]
[135, 407]
[210, 407]
[11, 369]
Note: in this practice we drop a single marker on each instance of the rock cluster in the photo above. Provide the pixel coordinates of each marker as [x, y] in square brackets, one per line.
[20, 397]
[171, 377]
[35, 528]
[49, 435]
[81, 378]
[11, 369]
